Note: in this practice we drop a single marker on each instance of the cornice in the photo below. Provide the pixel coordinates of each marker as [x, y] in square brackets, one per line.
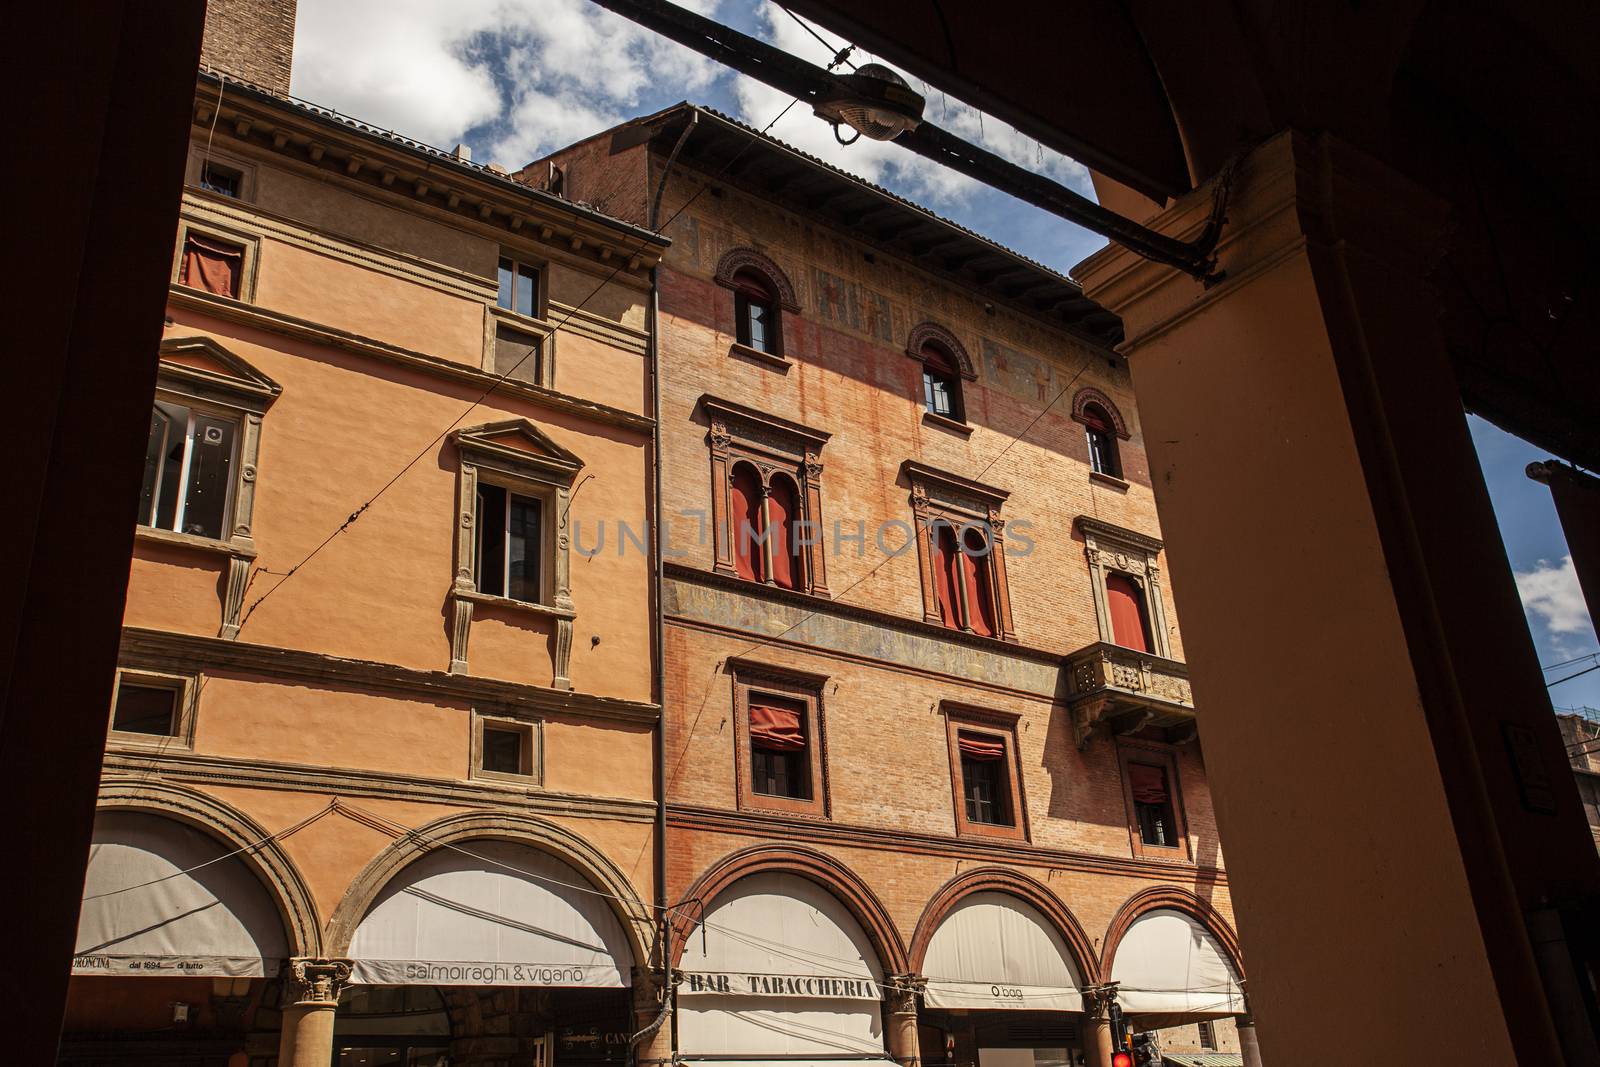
[161, 648]
[434, 180]
[822, 605]
[1112, 532]
[185, 766]
[746, 823]
[300, 329]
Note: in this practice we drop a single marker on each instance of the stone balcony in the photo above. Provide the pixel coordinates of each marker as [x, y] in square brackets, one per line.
[1111, 691]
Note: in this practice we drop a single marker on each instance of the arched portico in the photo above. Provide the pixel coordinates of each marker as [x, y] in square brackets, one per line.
[1174, 958]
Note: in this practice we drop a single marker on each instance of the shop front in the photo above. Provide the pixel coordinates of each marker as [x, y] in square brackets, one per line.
[1001, 988]
[778, 970]
[178, 941]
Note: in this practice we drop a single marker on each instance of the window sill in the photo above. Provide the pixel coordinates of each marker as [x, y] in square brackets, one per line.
[773, 805]
[145, 742]
[534, 324]
[490, 600]
[944, 422]
[990, 831]
[755, 355]
[526, 781]
[1109, 479]
[172, 538]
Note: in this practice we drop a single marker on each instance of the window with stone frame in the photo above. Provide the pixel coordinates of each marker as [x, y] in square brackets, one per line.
[985, 776]
[1154, 801]
[766, 503]
[780, 761]
[1103, 428]
[153, 707]
[512, 542]
[199, 480]
[762, 297]
[507, 749]
[1125, 577]
[945, 368]
[215, 260]
[960, 552]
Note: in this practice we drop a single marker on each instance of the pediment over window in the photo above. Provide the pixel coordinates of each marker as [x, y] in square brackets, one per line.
[519, 446]
[929, 484]
[781, 436]
[199, 366]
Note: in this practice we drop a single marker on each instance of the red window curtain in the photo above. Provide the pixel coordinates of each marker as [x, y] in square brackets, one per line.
[1127, 613]
[776, 728]
[938, 361]
[945, 574]
[1148, 784]
[744, 523]
[212, 265]
[975, 572]
[1096, 419]
[979, 747]
[783, 512]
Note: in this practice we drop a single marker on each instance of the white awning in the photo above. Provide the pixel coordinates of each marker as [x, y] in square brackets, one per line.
[995, 950]
[495, 914]
[1169, 964]
[779, 968]
[161, 899]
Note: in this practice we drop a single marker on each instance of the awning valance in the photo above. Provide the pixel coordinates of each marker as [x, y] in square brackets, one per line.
[1168, 963]
[162, 898]
[779, 968]
[995, 950]
[494, 913]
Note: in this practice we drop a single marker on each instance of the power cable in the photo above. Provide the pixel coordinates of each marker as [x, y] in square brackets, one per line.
[1570, 677]
[498, 381]
[840, 55]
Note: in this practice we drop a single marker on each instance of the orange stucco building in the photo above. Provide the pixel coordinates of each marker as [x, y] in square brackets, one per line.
[359, 658]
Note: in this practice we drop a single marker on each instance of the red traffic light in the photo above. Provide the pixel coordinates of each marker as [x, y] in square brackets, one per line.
[1121, 1059]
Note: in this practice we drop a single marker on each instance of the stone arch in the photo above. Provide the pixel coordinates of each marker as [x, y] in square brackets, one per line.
[1170, 896]
[1012, 883]
[547, 837]
[1089, 395]
[862, 903]
[739, 259]
[265, 858]
[931, 332]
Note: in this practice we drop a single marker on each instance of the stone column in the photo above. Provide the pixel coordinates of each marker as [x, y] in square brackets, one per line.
[1326, 521]
[311, 997]
[900, 1000]
[1247, 1040]
[1097, 1038]
[650, 995]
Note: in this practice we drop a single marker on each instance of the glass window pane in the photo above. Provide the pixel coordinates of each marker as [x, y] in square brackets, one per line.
[523, 575]
[205, 497]
[758, 316]
[505, 283]
[153, 450]
[170, 478]
[527, 287]
[491, 574]
[145, 709]
[502, 751]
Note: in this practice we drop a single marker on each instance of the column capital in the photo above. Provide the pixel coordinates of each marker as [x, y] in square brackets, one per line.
[1097, 999]
[1293, 190]
[900, 992]
[317, 981]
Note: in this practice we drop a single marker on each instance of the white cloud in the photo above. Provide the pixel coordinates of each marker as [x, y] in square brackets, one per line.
[1550, 593]
[539, 74]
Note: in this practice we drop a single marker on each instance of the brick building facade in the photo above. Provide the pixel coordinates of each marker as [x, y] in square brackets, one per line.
[820, 405]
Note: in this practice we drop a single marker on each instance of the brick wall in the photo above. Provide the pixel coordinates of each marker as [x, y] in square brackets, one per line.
[252, 40]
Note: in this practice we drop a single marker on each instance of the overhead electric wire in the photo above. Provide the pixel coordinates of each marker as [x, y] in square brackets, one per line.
[1570, 677]
[500, 379]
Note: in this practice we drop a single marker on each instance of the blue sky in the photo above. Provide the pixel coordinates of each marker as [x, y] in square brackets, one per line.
[516, 79]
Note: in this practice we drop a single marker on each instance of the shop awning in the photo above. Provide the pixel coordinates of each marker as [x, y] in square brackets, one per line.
[1168, 964]
[779, 970]
[997, 951]
[493, 914]
[162, 898]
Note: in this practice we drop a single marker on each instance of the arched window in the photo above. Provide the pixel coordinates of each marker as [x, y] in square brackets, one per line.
[941, 383]
[1129, 625]
[745, 523]
[755, 313]
[783, 515]
[947, 576]
[1102, 434]
[976, 582]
